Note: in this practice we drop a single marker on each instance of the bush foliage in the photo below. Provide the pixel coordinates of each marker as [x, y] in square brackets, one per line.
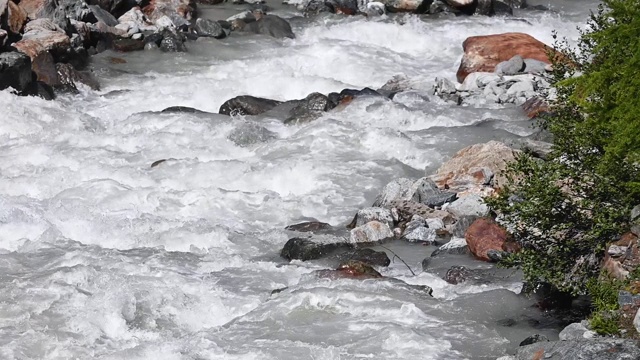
[565, 210]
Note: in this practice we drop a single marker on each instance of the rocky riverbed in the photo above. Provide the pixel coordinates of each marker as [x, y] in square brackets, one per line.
[188, 180]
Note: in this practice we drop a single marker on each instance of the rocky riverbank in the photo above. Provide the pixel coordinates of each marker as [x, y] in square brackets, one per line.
[440, 211]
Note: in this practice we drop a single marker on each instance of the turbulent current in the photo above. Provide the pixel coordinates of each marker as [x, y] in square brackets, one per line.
[103, 256]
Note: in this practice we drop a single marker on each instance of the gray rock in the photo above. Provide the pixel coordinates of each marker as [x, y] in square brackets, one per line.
[446, 90]
[416, 230]
[512, 66]
[533, 66]
[635, 213]
[172, 41]
[103, 15]
[382, 215]
[270, 25]
[484, 7]
[208, 28]
[536, 338]
[367, 256]
[600, 349]
[502, 7]
[471, 205]
[635, 220]
[249, 133]
[308, 109]
[423, 188]
[398, 189]
[435, 224]
[312, 248]
[519, 88]
[370, 232]
[15, 71]
[456, 246]
[247, 105]
[636, 321]
[576, 331]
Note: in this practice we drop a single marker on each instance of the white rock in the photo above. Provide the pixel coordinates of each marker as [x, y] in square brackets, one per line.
[471, 205]
[636, 321]
[435, 224]
[374, 213]
[372, 231]
[165, 22]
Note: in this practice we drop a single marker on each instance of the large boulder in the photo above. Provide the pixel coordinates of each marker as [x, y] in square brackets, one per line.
[312, 248]
[599, 348]
[483, 53]
[476, 165]
[308, 109]
[15, 71]
[247, 105]
[209, 28]
[43, 35]
[17, 17]
[485, 238]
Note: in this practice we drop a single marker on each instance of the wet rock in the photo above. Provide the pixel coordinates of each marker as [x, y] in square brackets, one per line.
[373, 231]
[367, 256]
[247, 105]
[309, 226]
[17, 18]
[43, 35]
[398, 83]
[458, 274]
[502, 7]
[576, 331]
[172, 41]
[249, 133]
[44, 67]
[483, 53]
[68, 76]
[358, 269]
[127, 45]
[182, 110]
[308, 109]
[397, 189]
[15, 71]
[601, 349]
[446, 90]
[427, 192]
[39, 89]
[456, 246]
[270, 25]
[312, 248]
[471, 205]
[487, 240]
[205, 27]
[379, 214]
[535, 338]
[470, 166]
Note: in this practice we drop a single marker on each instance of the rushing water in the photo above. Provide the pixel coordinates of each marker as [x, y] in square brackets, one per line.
[102, 256]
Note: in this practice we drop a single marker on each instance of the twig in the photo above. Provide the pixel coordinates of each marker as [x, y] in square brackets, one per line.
[396, 256]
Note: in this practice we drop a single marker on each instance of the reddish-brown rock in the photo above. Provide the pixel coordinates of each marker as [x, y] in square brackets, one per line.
[535, 107]
[622, 256]
[158, 8]
[17, 18]
[42, 35]
[45, 69]
[473, 167]
[483, 53]
[484, 235]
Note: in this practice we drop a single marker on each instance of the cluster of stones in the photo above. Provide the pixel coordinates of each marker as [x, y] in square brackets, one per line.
[44, 44]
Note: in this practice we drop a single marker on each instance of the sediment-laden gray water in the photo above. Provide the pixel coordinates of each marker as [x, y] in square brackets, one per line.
[102, 256]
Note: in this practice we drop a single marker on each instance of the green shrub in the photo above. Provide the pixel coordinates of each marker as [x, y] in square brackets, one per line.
[565, 210]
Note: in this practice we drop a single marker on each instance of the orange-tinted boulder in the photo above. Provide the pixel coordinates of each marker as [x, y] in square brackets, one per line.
[17, 17]
[483, 53]
[485, 235]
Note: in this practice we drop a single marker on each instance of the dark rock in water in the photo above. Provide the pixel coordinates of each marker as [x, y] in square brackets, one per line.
[508, 322]
[205, 27]
[157, 162]
[172, 42]
[367, 256]
[247, 105]
[457, 274]
[155, 38]
[426, 263]
[536, 338]
[308, 109]
[502, 7]
[249, 133]
[358, 269]
[308, 226]
[357, 93]
[127, 45]
[103, 15]
[278, 291]
[315, 7]
[40, 89]
[69, 76]
[484, 7]
[44, 67]
[311, 248]
[270, 25]
[598, 348]
[182, 110]
[15, 71]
